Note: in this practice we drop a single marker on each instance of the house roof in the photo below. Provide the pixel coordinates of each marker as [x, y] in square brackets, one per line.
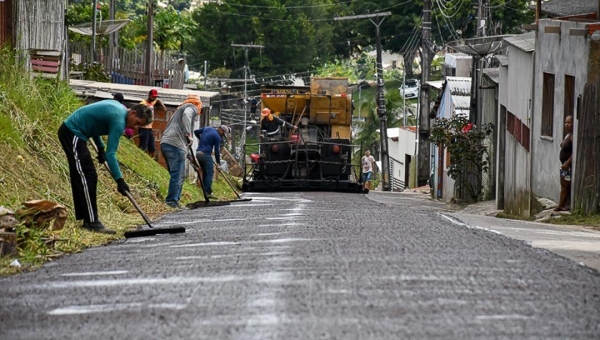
[493, 74]
[136, 93]
[524, 42]
[395, 132]
[565, 8]
[438, 84]
[460, 91]
[502, 59]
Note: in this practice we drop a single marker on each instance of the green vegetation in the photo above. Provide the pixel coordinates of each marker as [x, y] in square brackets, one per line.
[469, 155]
[33, 166]
[592, 221]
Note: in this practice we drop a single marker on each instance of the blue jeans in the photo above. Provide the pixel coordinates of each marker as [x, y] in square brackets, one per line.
[208, 170]
[175, 159]
[366, 176]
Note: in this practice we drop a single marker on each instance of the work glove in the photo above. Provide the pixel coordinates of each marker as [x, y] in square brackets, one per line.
[122, 187]
[189, 140]
[101, 157]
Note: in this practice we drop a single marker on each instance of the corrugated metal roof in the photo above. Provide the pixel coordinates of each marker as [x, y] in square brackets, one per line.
[438, 84]
[459, 86]
[565, 8]
[524, 42]
[460, 91]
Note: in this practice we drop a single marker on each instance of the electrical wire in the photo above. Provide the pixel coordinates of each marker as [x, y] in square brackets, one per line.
[287, 7]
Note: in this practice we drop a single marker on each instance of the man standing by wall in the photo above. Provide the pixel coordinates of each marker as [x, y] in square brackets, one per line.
[146, 134]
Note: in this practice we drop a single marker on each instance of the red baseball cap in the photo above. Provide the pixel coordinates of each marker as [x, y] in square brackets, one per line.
[153, 93]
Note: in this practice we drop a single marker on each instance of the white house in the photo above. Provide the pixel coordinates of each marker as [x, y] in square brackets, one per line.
[402, 147]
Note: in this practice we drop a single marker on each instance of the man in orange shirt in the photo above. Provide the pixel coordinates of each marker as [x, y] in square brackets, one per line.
[146, 135]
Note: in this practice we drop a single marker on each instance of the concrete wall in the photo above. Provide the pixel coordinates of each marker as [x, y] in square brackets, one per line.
[517, 177]
[501, 137]
[559, 54]
[398, 149]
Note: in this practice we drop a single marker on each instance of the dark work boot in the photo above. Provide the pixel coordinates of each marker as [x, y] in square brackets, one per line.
[98, 227]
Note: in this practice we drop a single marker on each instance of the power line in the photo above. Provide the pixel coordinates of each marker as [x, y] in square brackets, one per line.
[287, 7]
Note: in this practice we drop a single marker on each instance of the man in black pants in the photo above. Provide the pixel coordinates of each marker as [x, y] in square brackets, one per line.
[107, 117]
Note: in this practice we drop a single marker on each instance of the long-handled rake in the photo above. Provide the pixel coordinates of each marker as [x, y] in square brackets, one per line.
[197, 168]
[239, 198]
[144, 232]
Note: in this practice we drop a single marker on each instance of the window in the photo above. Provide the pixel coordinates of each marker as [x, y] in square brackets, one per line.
[569, 96]
[548, 105]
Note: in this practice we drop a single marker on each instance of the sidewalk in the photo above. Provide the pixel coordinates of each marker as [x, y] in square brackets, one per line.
[577, 243]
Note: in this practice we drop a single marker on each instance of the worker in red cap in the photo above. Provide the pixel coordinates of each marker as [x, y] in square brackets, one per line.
[270, 124]
[146, 134]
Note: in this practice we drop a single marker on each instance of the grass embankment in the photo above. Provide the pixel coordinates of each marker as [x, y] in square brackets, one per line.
[33, 166]
[591, 222]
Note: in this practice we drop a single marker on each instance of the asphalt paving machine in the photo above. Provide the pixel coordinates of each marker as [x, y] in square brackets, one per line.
[315, 156]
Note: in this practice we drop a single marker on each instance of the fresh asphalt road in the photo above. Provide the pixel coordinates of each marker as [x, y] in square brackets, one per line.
[308, 266]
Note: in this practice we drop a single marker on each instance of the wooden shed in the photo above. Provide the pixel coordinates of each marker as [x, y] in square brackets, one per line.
[34, 25]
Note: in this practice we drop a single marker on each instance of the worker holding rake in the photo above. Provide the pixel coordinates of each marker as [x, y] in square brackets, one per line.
[105, 118]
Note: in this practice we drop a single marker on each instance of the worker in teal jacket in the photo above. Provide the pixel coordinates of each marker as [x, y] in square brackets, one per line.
[104, 118]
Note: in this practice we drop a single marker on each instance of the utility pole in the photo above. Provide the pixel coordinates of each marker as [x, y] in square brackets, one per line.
[404, 91]
[205, 62]
[424, 128]
[112, 38]
[94, 11]
[149, 44]
[246, 48]
[385, 157]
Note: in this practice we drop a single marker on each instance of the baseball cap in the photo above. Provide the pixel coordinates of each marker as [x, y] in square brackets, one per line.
[153, 93]
[265, 112]
[226, 130]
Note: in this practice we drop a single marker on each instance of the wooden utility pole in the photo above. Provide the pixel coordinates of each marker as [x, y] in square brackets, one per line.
[424, 125]
[112, 38]
[150, 45]
[385, 157]
[94, 11]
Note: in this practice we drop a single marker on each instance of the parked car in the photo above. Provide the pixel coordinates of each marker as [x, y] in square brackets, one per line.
[410, 89]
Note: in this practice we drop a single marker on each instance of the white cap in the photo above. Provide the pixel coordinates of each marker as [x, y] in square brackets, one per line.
[226, 130]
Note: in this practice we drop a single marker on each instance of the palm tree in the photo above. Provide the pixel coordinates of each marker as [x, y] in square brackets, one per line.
[368, 137]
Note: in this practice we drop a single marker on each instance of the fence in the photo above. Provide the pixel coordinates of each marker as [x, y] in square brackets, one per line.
[586, 181]
[129, 66]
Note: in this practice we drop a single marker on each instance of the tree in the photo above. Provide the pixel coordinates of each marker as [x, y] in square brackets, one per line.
[469, 157]
[297, 36]
[172, 29]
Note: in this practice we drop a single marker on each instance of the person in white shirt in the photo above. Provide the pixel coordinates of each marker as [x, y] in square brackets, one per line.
[368, 166]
